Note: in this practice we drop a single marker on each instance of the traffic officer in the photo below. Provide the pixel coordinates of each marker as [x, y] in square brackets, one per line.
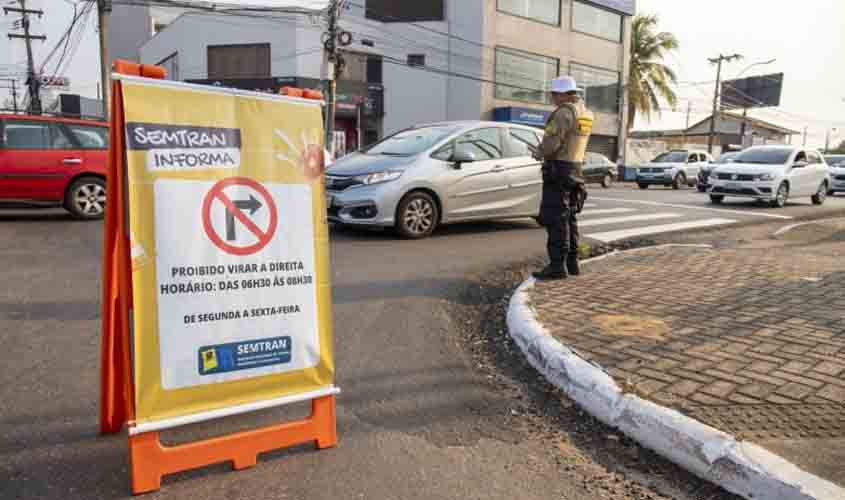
[562, 152]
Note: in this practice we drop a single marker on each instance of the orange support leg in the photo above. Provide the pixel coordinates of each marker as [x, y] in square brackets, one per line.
[149, 460]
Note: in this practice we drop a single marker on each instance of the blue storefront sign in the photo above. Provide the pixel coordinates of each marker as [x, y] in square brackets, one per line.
[524, 116]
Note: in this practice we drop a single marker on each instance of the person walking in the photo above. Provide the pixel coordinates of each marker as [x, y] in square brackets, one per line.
[562, 151]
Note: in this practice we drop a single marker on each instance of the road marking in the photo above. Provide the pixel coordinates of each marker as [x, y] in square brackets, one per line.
[663, 228]
[677, 205]
[609, 211]
[631, 218]
[589, 205]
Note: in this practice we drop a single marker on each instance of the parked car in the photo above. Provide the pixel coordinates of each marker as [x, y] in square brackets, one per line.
[704, 171]
[435, 174]
[598, 168]
[674, 168]
[773, 174]
[836, 163]
[49, 161]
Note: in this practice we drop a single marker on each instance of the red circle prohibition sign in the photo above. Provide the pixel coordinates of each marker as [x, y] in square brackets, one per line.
[216, 193]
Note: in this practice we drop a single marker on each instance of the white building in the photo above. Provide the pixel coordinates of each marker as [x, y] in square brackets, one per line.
[416, 61]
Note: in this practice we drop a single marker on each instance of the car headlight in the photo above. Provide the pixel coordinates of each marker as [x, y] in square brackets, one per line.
[378, 177]
[765, 177]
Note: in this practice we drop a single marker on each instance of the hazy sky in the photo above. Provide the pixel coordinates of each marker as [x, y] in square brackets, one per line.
[806, 38]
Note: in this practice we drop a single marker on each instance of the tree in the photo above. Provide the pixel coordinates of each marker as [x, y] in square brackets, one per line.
[840, 150]
[649, 79]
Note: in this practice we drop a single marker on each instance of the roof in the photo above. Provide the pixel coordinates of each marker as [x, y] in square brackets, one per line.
[52, 118]
[756, 122]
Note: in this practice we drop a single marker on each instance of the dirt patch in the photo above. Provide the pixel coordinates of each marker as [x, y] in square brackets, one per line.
[626, 325]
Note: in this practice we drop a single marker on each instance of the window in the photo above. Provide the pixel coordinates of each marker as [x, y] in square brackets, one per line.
[393, 11]
[545, 11]
[59, 139]
[522, 142]
[19, 134]
[522, 76]
[374, 69]
[693, 158]
[239, 61]
[412, 141]
[601, 87]
[90, 137]
[171, 65]
[416, 59]
[813, 158]
[595, 21]
[485, 144]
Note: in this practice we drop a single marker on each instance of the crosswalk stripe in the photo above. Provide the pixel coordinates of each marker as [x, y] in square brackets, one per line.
[589, 205]
[608, 211]
[695, 207]
[631, 218]
[661, 228]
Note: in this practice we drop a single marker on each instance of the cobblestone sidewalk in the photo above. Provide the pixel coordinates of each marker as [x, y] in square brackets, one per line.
[749, 340]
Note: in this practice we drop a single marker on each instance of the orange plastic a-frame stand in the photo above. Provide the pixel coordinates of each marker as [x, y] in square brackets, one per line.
[149, 460]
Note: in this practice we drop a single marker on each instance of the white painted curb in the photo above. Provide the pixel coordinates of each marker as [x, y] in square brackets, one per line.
[740, 467]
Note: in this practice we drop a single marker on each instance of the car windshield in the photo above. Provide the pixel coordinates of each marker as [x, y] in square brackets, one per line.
[727, 158]
[765, 156]
[834, 159]
[412, 141]
[671, 157]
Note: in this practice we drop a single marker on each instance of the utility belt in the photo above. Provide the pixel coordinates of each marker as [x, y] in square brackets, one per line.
[560, 173]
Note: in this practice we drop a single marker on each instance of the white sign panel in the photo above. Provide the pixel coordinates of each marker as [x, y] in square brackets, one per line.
[248, 260]
[276, 4]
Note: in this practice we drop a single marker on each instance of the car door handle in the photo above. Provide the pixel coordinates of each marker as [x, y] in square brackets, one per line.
[72, 161]
[498, 168]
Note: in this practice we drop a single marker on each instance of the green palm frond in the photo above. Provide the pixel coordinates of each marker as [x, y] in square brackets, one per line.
[649, 79]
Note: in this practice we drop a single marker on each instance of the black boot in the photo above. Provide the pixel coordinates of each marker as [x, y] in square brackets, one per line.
[572, 264]
[551, 272]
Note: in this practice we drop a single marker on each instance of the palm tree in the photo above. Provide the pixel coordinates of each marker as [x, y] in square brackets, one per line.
[649, 79]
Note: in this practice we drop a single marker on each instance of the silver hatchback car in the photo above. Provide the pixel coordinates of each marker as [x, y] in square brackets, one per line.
[436, 174]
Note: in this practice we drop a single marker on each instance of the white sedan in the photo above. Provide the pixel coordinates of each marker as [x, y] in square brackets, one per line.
[773, 174]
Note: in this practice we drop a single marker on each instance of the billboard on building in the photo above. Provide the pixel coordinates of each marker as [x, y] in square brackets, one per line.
[753, 92]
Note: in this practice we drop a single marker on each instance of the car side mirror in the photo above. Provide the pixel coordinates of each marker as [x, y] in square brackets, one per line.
[462, 156]
[800, 164]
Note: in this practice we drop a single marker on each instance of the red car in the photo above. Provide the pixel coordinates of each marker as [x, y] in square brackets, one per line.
[50, 161]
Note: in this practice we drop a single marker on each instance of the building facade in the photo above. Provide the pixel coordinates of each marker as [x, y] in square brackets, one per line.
[419, 61]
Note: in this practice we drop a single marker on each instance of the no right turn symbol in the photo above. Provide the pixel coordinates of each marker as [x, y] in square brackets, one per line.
[239, 216]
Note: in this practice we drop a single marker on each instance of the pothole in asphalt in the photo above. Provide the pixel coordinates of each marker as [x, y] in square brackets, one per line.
[625, 325]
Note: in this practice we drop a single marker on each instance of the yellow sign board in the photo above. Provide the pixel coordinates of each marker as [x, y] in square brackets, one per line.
[230, 271]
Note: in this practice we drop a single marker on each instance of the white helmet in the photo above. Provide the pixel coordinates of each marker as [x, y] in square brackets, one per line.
[564, 84]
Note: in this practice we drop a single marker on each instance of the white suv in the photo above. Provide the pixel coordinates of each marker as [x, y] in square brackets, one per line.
[674, 168]
[773, 174]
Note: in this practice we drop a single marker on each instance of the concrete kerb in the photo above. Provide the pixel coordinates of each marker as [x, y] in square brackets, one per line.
[740, 467]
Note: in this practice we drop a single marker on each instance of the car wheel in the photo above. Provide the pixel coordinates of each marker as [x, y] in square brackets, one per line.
[643, 186]
[417, 215]
[86, 198]
[701, 189]
[607, 181]
[680, 180]
[821, 194]
[782, 196]
[716, 199]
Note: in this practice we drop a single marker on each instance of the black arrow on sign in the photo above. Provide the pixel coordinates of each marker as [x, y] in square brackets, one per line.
[251, 204]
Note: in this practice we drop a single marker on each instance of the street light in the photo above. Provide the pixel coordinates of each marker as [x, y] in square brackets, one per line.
[745, 110]
[761, 63]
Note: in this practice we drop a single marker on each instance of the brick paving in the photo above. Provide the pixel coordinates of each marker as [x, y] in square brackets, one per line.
[750, 340]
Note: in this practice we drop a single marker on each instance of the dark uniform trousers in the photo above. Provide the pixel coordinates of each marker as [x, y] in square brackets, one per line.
[558, 209]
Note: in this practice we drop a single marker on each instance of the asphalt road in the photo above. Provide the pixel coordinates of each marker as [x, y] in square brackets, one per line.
[416, 419]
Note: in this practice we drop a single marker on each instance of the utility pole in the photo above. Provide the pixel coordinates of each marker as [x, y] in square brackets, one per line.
[827, 140]
[103, 10]
[742, 128]
[330, 70]
[718, 61]
[805, 135]
[32, 79]
[686, 129]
